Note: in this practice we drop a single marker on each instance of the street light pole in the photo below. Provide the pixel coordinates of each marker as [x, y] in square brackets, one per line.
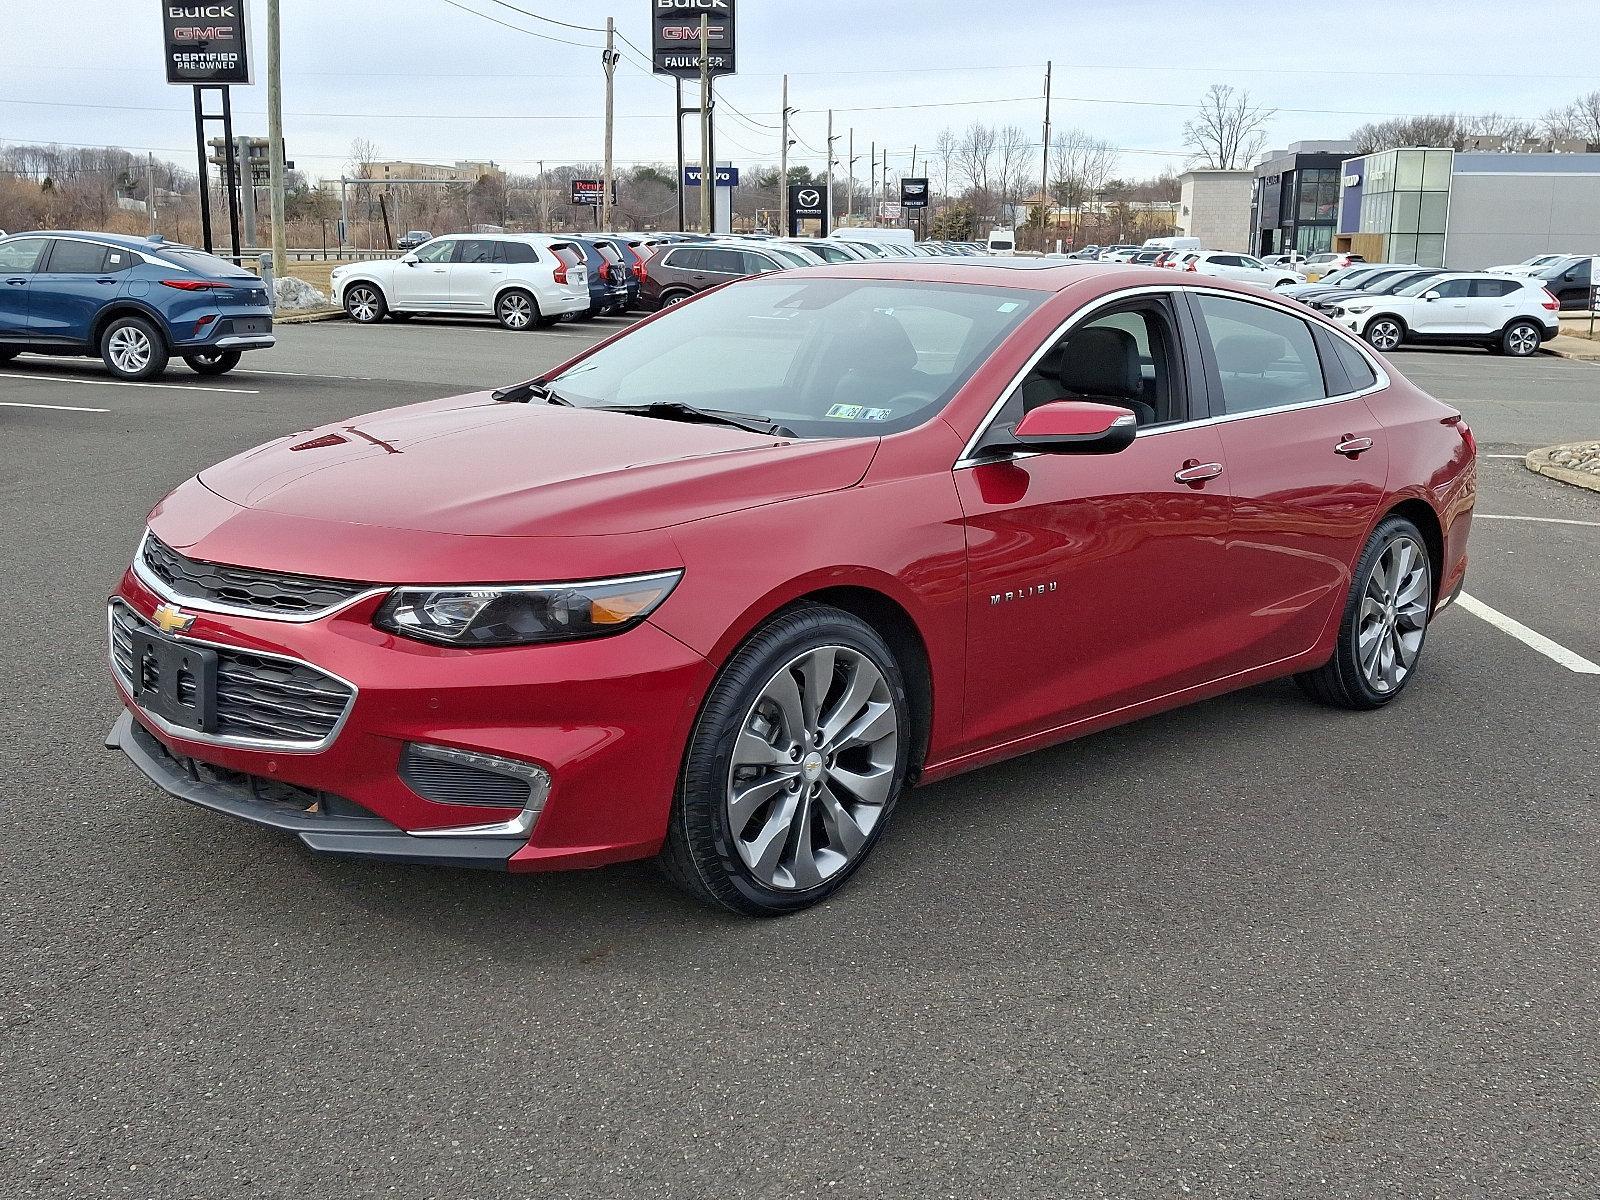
[783, 164]
[1044, 180]
[280, 254]
[850, 155]
[828, 224]
[609, 61]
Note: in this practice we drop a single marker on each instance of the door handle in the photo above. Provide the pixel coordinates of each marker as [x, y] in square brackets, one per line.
[1195, 473]
[496, 271]
[17, 282]
[1351, 447]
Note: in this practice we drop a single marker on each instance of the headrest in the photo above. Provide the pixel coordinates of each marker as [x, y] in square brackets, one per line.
[1102, 362]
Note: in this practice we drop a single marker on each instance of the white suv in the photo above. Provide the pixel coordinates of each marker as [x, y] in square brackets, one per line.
[522, 280]
[1243, 268]
[1501, 312]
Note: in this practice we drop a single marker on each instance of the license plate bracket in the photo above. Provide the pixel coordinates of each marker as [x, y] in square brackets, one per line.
[175, 681]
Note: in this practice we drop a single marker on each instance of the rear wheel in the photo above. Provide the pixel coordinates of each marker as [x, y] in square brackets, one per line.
[213, 362]
[794, 766]
[1384, 625]
[364, 303]
[1385, 333]
[517, 310]
[132, 348]
[1521, 339]
[668, 299]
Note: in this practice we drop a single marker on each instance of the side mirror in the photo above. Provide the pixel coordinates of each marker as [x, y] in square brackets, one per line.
[1433, 295]
[410, 258]
[1075, 427]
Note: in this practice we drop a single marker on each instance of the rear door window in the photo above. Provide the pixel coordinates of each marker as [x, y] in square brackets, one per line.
[476, 250]
[723, 262]
[68, 257]
[1263, 358]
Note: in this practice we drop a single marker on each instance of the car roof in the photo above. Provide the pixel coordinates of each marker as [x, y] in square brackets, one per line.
[111, 239]
[1030, 274]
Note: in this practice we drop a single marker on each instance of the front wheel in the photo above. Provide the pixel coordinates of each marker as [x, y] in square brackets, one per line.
[1521, 339]
[1384, 625]
[517, 311]
[364, 303]
[213, 362]
[1385, 334]
[794, 767]
[132, 348]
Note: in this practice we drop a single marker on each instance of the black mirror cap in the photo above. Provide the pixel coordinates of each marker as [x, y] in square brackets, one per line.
[1114, 440]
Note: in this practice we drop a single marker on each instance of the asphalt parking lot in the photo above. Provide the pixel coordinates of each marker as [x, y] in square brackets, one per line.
[1254, 948]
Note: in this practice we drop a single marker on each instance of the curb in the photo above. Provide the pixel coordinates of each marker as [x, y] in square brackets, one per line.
[1539, 463]
[332, 314]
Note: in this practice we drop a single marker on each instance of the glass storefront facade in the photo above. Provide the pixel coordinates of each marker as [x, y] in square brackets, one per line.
[1405, 199]
[1297, 203]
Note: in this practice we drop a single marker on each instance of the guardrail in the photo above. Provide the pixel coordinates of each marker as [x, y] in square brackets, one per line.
[248, 255]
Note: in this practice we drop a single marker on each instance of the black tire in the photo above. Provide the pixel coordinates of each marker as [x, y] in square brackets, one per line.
[517, 310]
[133, 348]
[668, 299]
[1520, 339]
[587, 314]
[400, 318]
[7, 355]
[1385, 333]
[364, 303]
[213, 362]
[700, 853]
[1343, 682]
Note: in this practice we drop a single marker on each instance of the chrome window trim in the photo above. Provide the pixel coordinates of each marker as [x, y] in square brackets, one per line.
[966, 458]
[213, 739]
[145, 576]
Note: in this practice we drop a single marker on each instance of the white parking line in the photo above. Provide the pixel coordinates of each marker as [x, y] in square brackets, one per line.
[177, 387]
[1518, 457]
[1554, 651]
[307, 375]
[1541, 520]
[54, 407]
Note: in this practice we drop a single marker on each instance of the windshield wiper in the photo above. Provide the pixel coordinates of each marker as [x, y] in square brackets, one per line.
[523, 392]
[674, 410]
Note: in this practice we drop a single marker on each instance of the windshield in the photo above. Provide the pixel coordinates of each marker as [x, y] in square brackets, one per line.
[823, 357]
[1404, 279]
[1418, 287]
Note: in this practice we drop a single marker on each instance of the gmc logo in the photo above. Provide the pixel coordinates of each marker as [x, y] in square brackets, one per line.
[690, 33]
[210, 33]
[202, 12]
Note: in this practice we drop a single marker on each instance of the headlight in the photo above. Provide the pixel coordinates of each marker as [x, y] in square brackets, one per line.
[1356, 308]
[521, 615]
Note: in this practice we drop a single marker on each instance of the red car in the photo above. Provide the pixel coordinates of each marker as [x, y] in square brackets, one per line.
[722, 587]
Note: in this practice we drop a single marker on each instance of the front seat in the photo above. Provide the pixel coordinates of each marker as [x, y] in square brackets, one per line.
[876, 362]
[1103, 364]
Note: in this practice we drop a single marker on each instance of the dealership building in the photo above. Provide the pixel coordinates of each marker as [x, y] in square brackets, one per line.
[1465, 210]
[1214, 206]
[1295, 201]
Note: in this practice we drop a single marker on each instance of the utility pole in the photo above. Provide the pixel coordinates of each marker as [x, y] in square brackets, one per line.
[150, 190]
[850, 154]
[783, 164]
[708, 168]
[609, 61]
[247, 190]
[1044, 182]
[831, 139]
[280, 255]
[872, 184]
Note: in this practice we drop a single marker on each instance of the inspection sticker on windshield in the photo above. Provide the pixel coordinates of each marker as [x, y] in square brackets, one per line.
[855, 412]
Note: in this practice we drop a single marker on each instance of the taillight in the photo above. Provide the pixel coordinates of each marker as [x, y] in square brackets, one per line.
[605, 271]
[1194, 266]
[197, 285]
[1550, 303]
[639, 269]
[561, 267]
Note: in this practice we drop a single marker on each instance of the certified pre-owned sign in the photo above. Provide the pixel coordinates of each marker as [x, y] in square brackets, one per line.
[677, 36]
[206, 43]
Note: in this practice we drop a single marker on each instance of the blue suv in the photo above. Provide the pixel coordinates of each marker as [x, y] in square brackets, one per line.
[133, 302]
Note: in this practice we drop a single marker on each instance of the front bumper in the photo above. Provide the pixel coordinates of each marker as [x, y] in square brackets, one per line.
[606, 719]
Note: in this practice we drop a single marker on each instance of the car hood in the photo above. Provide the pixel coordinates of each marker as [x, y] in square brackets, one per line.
[471, 466]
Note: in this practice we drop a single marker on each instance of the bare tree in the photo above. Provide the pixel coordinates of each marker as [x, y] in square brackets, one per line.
[944, 149]
[1079, 166]
[1511, 133]
[1015, 165]
[363, 153]
[1579, 120]
[1429, 129]
[975, 160]
[1229, 129]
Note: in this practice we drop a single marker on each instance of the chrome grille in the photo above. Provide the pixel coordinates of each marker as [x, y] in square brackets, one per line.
[246, 589]
[262, 699]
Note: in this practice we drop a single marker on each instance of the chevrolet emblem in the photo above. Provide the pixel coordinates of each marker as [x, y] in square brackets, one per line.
[169, 618]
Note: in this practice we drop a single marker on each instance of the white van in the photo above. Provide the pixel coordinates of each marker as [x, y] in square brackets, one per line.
[1003, 242]
[1174, 243]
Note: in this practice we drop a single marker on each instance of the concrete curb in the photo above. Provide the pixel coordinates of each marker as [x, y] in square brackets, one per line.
[337, 314]
[1539, 463]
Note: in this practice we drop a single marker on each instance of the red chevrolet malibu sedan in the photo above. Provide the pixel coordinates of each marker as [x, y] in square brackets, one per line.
[721, 588]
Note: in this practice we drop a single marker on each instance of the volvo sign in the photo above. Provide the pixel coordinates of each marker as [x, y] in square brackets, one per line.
[676, 43]
[206, 44]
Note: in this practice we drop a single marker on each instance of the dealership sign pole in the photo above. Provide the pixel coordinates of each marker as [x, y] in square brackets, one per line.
[683, 51]
[207, 48]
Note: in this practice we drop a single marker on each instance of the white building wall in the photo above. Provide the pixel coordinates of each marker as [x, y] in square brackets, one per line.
[1214, 206]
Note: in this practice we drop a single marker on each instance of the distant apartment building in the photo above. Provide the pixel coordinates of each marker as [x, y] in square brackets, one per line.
[1214, 206]
[461, 172]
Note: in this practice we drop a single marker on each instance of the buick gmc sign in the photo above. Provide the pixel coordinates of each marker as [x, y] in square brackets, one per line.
[677, 36]
[206, 43]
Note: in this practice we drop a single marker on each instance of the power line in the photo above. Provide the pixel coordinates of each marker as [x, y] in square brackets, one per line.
[518, 28]
[549, 20]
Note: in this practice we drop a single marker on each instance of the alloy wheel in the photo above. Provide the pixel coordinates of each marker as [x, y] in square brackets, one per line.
[130, 349]
[1385, 335]
[1522, 341]
[1393, 616]
[516, 312]
[813, 768]
[363, 305]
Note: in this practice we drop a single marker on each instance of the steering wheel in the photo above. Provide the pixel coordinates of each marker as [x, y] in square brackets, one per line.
[911, 400]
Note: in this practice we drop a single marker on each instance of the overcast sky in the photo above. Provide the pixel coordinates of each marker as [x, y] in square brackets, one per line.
[427, 81]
